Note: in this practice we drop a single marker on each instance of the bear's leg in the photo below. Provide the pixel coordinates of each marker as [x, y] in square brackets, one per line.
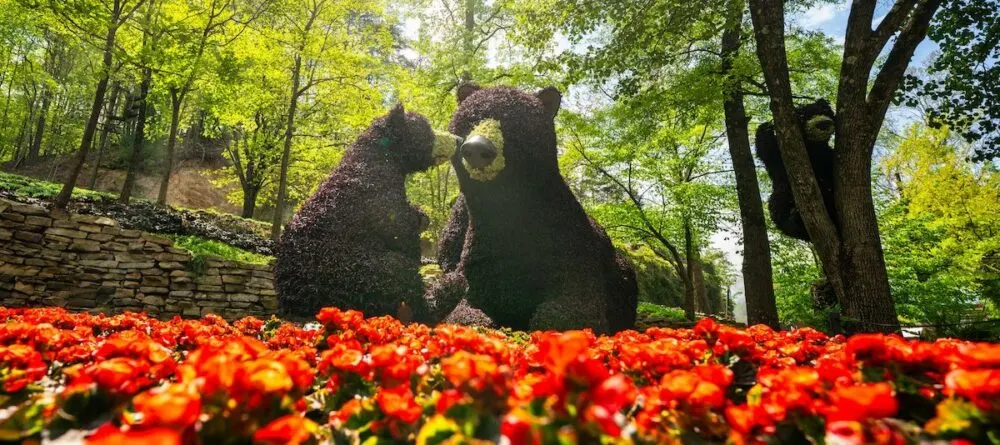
[786, 216]
[467, 315]
[442, 298]
[452, 239]
[570, 311]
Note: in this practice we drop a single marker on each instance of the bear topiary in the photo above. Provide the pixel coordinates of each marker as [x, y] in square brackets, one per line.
[817, 122]
[531, 257]
[355, 244]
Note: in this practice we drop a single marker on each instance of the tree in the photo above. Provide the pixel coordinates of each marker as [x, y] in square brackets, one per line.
[658, 175]
[196, 27]
[331, 45]
[964, 79]
[118, 13]
[851, 251]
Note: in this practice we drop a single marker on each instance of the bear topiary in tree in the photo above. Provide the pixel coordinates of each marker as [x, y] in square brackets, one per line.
[817, 122]
[531, 257]
[355, 244]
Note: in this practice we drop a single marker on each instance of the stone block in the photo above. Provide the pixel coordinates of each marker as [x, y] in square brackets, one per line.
[209, 280]
[209, 288]
[68, 233]
[153, 290]
[244, 298]
[157, 239]
[90, 228]
[29, 210]
[152, 300]
[83, 245]
[143, 265]
[101, 237]
[29, 237]
[106, 264]
[129, 233]
[171, 265]
[18, 270]
[43, 221]
[156, 281]
[233, 279]
[234, 288]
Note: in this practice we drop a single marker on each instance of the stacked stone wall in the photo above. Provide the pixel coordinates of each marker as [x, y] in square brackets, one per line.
[84, 262]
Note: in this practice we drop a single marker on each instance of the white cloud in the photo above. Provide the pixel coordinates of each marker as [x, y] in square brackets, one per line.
[818, 15]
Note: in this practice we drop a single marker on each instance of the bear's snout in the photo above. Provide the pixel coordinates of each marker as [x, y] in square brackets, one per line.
[478, 151]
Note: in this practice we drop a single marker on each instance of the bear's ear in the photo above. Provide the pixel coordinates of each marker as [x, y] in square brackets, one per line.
[465, 90]
[397, 117]
[551, 99]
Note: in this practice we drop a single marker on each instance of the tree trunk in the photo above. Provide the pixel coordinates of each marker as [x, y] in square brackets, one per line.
[36, 141]
[279, 208]
[852, 256]
[758, 286]
[176, 98]
[102, 144]
[700, 289]
[690, 294]
[140, 137]
[249, 201]
[62, 200]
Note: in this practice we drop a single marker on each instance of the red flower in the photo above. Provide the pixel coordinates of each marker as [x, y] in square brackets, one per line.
[286, 430]
[398, 403]
[862, 402]
[110, 435]
[175, 406]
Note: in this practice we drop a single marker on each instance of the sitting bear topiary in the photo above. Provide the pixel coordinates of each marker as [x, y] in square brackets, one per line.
[817, 124]
[355, 244]
[530, 255]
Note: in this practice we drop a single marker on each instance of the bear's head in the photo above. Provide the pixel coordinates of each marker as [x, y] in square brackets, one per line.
[408, 140]
[817, 121]
[505, 130]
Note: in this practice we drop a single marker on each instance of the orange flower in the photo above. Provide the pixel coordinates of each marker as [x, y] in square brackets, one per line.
[110, 435]
[862, 402]
[175, 406]
[286, 430]
[398, 403]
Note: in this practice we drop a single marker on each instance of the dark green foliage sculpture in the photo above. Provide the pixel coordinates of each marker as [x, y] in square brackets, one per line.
[355, 244]
[817, 121]
[530, 255]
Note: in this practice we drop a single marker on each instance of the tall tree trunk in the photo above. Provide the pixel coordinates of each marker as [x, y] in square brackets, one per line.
[24, 135]
[102, 144]
[286, 154]
[758, 286]
[690, 294]
[62, 200]
[176, 98]
[36, 141]
[700, 289]
[250, 193]
[140, 137]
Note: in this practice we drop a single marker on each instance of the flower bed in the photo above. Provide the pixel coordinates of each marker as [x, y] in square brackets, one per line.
[135, 380]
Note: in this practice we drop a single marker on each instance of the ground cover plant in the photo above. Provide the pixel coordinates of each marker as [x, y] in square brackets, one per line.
[131, 379]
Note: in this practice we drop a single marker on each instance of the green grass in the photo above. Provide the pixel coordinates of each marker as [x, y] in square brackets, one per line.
[200, 247]
[26, 187]
[647, 309]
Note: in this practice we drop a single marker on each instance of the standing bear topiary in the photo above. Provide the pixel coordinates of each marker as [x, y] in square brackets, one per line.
[816, 120]
[530, 256]
[355, 244]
